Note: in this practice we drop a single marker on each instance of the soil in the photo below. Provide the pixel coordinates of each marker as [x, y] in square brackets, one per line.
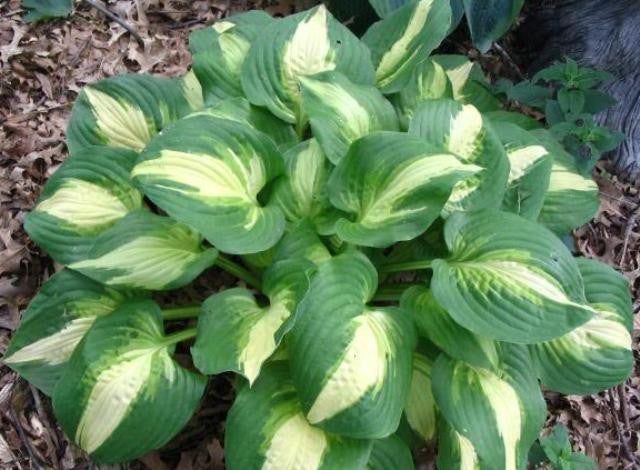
[42, 68]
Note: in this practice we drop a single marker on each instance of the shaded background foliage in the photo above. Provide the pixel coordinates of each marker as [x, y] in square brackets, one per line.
[42, 68]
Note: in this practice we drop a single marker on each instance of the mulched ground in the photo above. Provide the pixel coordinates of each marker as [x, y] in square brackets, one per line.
[42, 68]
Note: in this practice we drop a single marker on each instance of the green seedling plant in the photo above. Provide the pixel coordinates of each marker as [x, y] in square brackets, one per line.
[555, 450]
[567, 94]
[394, 232]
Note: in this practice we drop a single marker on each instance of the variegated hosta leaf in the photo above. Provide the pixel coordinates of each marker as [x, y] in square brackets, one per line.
[236, 334]
[267, 430]
[500, 415]
[490, 19]
[420, 408]
[302, 242]
[55, 322]
[530, 171]
[597, 355]
[302, 195]
[299, 45]
[122, 394]
[220, 50]
[390, 453]
[207, 172]
[429, 81]
[341, 111]
[89, 193]
[351, 363]
[572, 198]
[385, 7]
[240, 110]
[126, 111]
[434, 323]
[468, 81]
[460, 130]
[147, 251]
[455, 452]
[405, 38]
[509, 279]
[393, 186]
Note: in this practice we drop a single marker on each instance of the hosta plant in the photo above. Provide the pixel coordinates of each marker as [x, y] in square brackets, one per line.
[316, 167]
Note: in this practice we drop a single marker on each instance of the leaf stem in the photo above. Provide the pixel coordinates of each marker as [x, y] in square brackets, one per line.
[411, 266]
[181, 313]
[238, 271]
[179, 336]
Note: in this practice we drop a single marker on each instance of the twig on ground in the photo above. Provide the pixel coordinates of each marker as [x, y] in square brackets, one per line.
[23, 437]
[624, 406]
[44, 419]
[627, 454]
[505, 55]
[111, 15]
[631, 223]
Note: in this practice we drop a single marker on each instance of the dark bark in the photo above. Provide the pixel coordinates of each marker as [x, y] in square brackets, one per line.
[603, 34]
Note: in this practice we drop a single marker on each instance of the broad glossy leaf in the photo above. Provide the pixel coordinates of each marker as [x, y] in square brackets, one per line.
[420, 409]
[302, 242]
[405, 38]
[267, 430]
[38, 10]
[89, 193]
[240, 110]
[572, 198]
[460, 130]
[597, 355]
[393, 186]
[497, 118]
[390, 453]
[208, 172]
[341, 111]
[126, 111]
[122, 394]
[468, 82]
[385, 7]
[147, 251]
[351, 363]
[434, 323]
[455, 452]
[236, 334]
[220, 50]
[299, 45]
[429, 81]
[55, 322]
[530, 172]
[490, 19]
[500, 415]
[509, 279]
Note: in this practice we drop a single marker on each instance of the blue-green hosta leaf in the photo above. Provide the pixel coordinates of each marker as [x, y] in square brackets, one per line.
[220, 50]
[89, 193]
[497, 118]
[122, 394]
[509, 279]
[299, 45]
[341, 111]
[302, 195]
[236, 334]
[429, 81]
[385, 7]
[147, 251]
[455, 452]
[500, 415]
[597, 355]
[267, 430]
[530, 171]
[490, 19]
[572, 198]
[405, 38]
[55, 322]
[302, 242]
[393, 186]
[390, 453]
[434, 323]
[126, 111]
[468, 82]
[460, 130]
[351, 363]
[420, 409]
[240, 110]
[38, 10]
[207, 172]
